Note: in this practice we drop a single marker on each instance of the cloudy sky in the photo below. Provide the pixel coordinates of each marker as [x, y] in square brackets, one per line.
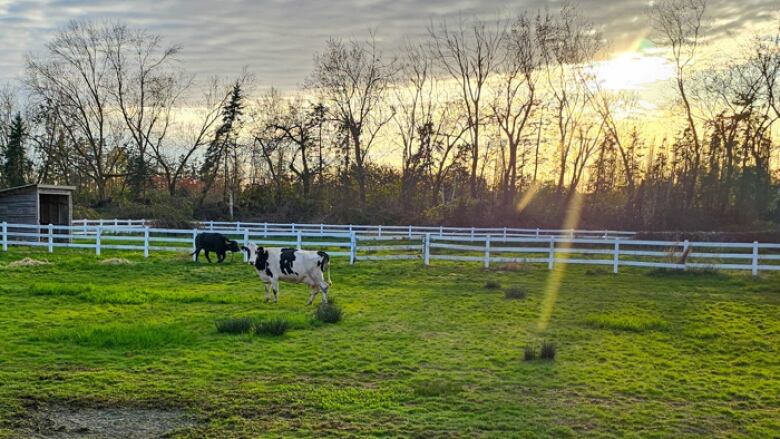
[276, 39]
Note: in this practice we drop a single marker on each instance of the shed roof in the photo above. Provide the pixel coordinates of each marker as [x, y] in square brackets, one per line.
[37, 187]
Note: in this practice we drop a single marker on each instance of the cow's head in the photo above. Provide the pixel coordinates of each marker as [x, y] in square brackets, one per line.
[232, 246]
[251, 252]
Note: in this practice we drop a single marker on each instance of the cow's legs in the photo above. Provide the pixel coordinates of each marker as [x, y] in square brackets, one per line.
[313, 290]
[275, 286]
[324, 287]
[220, 257]
[207, 256]
[197, 253]
[267, 292]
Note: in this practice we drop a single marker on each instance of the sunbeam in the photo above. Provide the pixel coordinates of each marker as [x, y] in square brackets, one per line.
[553, 285]
[528, 196]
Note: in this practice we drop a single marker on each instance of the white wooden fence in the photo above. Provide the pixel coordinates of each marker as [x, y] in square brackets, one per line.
[379, 231]
[488, 249]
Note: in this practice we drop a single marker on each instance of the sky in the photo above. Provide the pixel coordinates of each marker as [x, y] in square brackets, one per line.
[276, 39]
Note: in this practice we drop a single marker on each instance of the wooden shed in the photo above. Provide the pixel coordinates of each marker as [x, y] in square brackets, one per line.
[39, 204]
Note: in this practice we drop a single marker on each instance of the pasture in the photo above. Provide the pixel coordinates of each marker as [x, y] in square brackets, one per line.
[421, 351]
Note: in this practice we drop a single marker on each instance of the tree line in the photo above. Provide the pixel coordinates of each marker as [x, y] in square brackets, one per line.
[483, 122]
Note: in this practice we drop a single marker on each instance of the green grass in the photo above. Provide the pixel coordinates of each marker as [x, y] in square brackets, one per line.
[419, 351]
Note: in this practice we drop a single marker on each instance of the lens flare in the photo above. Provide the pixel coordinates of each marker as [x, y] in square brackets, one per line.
[553, 285]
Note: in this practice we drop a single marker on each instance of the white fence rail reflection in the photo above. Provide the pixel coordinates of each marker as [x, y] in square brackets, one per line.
[614, 252]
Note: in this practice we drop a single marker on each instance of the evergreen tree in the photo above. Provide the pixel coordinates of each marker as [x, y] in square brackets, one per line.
[224, 146]
[16, 167]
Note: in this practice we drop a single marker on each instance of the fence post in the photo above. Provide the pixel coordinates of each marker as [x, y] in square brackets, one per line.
[504, 232]
[5, 236]
[211, 225]
[472, 231]
[551, 257]
[238, 226]
[427, 249]
[322, 229]
[246, 243]
[85, 227]
[194, 238]
[100, 222]
[146, 241]
[51, 238]
[116, 223]
[410, 231]
[98, 231]
[686, 244]
[616, 257]
[298, 239]
[487, 251]
[537, 232]
[293, 227]
[379, 231]
[352, 247]
[265, 230]
[755, 258]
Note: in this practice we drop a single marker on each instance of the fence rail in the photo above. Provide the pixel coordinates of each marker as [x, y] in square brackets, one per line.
[409, 231]
[357, 245]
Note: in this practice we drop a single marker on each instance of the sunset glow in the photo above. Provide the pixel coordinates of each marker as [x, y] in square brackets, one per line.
[632, 71]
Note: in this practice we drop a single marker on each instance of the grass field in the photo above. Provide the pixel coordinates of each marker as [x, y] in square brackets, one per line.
[427, 352]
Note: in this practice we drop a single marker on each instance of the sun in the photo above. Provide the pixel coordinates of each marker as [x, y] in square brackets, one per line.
[632, 71]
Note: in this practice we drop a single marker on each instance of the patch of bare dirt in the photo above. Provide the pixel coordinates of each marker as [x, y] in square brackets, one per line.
[63, 422]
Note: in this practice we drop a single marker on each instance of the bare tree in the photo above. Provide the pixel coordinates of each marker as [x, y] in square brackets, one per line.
[469, 54]
[428, 124]
[147, 87]
[516, 94]
[75, 81]
[679, 25]
[188, 133]
[351, 79]
[568, 45]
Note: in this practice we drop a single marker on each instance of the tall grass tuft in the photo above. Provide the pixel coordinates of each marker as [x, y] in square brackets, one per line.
[275, 327]
[547, 351]
[514, 293]
[238, 325]
[328, 313]
[529, 353]
[492, 285]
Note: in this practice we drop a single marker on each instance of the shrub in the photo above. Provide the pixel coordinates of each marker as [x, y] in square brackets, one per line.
[275, 327]
[239, 325]
[492, 285]
[328, 313]
[514, 293]
[547, 351]
[529, 353]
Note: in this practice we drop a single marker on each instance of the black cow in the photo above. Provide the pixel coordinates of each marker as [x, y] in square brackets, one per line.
[214, 242]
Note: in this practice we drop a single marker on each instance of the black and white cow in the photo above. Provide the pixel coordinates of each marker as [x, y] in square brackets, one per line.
[214, 242]
[288, 264]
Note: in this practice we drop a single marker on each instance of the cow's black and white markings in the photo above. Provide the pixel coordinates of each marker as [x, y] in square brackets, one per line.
[290, 265]
[214, 242]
